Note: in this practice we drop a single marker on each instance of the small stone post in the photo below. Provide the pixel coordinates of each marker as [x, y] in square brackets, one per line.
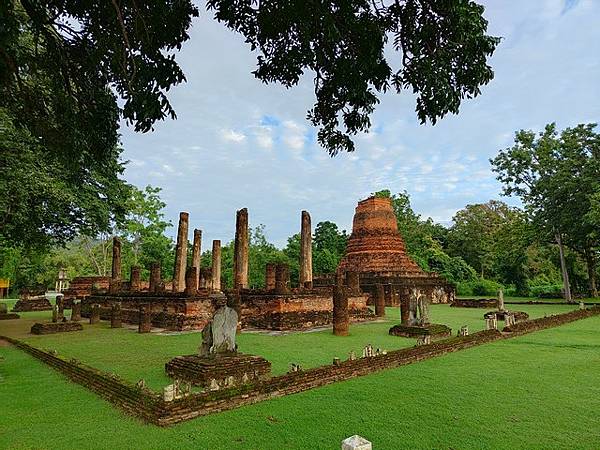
[154, 277]
[115, 280]
[216, 265]
[191, 286]
[270, 270]
[282, 279]
[181, 253]
[500, 300]
[54, 313]
[356, 442]
[240, 256]
[115, 316]
[353, 281]
[306, 279]
[145, 322]
[135, 279]
[405, 310]
[340, 310]
[76, 311]
[94, 314]
[197, 253]
[379, 300]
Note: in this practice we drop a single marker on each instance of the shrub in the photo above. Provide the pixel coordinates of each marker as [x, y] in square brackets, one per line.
[547, 291]
[480, 287]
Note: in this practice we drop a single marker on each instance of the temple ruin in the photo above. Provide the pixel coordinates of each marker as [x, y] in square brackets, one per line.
[376, 251]
[190, 300]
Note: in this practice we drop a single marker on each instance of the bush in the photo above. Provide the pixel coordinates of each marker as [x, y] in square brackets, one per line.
[484, 288]
[547, 291]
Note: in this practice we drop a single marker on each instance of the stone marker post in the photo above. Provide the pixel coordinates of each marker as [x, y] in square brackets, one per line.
[181, 253]
[500, 300]
[306, 276]
[115, 279]
[270, 270]
[145, 321]
[135, 279]
[115, 316]
[405, 310]
[282, 279]
[76, 311]
[154, 277]
[94, 314]
[197, 253]
[379, 300]
[356, 442]
[340, 310]
[191, 281]
[216, 265]
[240, 256]
[54, 313]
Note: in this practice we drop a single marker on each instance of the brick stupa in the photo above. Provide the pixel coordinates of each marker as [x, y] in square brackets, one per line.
[377, 251]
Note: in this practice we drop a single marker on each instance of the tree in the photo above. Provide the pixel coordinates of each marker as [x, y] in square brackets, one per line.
[329, 247]
[444, 49]
[557, 177]
[62, 65]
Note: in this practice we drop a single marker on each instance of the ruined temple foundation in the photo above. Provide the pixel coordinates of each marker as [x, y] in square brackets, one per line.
[377, 252]
[82, 287]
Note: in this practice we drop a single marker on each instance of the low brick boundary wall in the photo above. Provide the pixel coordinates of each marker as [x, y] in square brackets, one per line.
[150, 407]
[55, 327]
[474, 303]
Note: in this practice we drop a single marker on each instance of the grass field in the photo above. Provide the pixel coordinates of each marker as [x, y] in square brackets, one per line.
[134, 356]
[541, 390]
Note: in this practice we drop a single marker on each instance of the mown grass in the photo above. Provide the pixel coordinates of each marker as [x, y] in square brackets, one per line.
[134, 356]
[541, 390]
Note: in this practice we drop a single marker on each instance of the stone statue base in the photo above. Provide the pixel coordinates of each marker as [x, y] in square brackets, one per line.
[219, 371]
[500, 315]
[434, 330]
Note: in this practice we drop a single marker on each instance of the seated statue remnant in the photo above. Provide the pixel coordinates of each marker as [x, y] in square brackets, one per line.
[509, 317]
[218, 364]
[414, 314]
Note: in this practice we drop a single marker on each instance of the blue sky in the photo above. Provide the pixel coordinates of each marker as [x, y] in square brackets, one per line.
[239, 143]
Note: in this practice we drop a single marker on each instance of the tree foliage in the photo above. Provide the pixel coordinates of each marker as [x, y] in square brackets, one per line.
[444, 48]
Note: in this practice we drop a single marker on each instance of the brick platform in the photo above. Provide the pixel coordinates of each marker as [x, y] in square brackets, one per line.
[219, 371]
[9, 316]
[37, 303]
[58, 327]
[434, 330]
[475, 303]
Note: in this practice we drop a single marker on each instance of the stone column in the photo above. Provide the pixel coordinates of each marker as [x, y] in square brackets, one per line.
[181, 253]
[115, 316]
[270, 276]
[282, 279]
[115, 280]
[216, 265]
[340, 310]
[154, 277]
[405, 310]
[54, 313]
[353, 281]
[135, 279]
[145, 322]
[196, 253]
[60, 305]
[94, 314]
[240, 256]
[76, 311]
[379, 301]
[305, 276]
[191, 286]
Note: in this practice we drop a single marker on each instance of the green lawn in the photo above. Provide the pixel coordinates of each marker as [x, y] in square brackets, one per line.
[541, 390]
[134, 356]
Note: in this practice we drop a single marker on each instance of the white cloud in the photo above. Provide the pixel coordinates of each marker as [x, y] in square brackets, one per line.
[233, 136]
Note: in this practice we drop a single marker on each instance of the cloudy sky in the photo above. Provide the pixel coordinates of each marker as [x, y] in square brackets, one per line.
[238, 143]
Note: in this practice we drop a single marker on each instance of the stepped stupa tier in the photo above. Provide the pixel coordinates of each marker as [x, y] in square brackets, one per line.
[377, 251]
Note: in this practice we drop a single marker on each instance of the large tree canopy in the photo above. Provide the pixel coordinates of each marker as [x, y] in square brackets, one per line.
[443, 45]
[62, 65]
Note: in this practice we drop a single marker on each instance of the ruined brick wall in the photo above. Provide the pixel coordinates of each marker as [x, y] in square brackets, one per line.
[171, 311]
[475, 303]
[81, 287]
[300, 310]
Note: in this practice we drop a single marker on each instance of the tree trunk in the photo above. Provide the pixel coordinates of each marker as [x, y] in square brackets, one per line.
[591, 268]
[563, 268]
